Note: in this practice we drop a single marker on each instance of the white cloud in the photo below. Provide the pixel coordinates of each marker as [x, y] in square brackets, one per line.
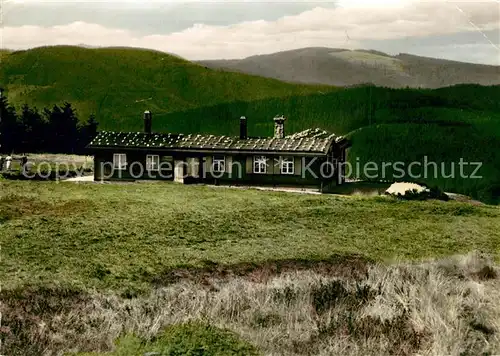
[156, 2]
[364, 4]
[347, 26]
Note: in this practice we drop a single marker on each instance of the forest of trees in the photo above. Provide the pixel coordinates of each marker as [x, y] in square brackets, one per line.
[53, 130]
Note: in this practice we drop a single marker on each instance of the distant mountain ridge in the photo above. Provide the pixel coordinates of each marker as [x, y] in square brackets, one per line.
[118, 83]
[343, 67]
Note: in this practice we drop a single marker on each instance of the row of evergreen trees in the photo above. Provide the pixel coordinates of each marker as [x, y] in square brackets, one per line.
[53, 130]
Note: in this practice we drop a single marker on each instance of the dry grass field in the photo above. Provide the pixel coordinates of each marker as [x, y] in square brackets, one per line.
[446, 307]
[127, 269]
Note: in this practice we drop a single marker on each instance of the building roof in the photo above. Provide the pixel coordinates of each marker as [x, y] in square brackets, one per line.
[318, 143]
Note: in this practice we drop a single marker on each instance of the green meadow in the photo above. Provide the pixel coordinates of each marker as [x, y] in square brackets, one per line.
[128, 269]
[123, 236]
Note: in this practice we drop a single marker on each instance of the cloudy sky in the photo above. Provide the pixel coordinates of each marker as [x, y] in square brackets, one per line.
[459, 30]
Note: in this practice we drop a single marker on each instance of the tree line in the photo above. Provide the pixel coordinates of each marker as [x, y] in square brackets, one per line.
[51, 130]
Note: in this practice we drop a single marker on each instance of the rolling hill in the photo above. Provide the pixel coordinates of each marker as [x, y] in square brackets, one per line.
[117, 84]
[341, 67]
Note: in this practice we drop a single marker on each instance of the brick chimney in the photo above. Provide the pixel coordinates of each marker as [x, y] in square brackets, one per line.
[243, 128]
[148, 122]
[279, 126]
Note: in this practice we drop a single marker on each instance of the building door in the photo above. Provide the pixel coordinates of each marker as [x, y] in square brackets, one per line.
[193, 167]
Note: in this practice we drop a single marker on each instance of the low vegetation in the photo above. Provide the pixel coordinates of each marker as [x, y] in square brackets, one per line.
[445, 307]
[127, 269]
[184, 339]
[127, 235]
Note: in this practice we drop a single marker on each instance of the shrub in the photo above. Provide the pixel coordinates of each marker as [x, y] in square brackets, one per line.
[285, 295]
[25, 309]
[100, 272]
[436, 193]
[201, 339]
[190, 339]
[326, 295]
[400, 336]
[265, 320]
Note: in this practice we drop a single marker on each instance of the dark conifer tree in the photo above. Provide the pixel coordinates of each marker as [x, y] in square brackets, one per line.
[71, 129]
[91, 127]
[9, 127]
[62, 129]
[52, 116]
[87, 132]
[34, 129]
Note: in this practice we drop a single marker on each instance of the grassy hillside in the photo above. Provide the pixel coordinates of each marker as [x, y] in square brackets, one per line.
[120, 235]
[117, 84]
[85, 264]
[343, 67]
[3, 53]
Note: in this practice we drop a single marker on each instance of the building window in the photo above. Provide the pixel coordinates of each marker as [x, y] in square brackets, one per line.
[219, 164]
[120, 161]
[259, 164]
[152, 162]
[287, 165]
